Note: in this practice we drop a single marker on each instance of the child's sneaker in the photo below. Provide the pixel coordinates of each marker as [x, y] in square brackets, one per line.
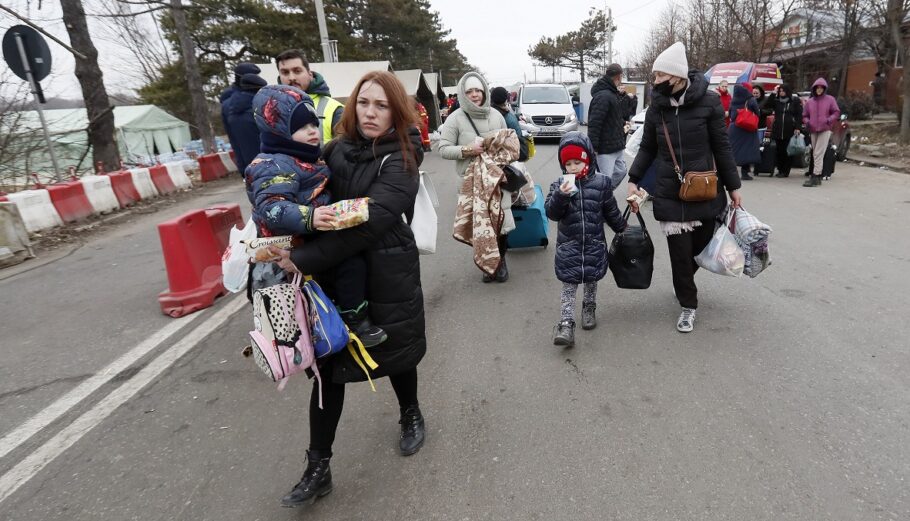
[564, 333]
[358, 321]
[686, 322]
[588, 319]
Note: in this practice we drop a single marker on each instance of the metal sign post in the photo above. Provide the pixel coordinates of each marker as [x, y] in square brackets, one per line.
[35, 91]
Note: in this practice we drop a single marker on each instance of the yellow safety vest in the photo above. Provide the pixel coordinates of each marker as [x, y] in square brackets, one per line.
[325, 109]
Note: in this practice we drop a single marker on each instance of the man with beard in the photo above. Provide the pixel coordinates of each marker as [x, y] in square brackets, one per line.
[294, 70]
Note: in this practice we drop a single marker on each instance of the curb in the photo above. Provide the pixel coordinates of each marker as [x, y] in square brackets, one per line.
[874, 163]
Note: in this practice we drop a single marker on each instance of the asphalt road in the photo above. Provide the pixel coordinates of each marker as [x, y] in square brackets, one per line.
[789, 401]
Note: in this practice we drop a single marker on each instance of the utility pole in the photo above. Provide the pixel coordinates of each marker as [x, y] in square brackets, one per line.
[329, 47]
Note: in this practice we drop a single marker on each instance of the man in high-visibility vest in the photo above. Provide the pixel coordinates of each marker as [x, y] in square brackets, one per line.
[294, 70]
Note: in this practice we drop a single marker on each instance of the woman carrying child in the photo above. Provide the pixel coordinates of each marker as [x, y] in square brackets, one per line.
[581, 201]
[377, 154]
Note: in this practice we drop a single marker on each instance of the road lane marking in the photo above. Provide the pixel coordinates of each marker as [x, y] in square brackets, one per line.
[66, 438]
[12, 440]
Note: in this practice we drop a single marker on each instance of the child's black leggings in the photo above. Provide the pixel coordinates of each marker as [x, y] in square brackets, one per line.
[324, 422]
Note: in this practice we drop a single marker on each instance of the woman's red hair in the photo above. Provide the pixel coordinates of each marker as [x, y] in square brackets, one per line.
[404, 115]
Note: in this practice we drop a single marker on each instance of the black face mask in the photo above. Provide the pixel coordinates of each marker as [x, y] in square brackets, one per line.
[664, 88]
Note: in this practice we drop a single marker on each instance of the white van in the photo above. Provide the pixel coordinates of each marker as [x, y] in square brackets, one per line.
[547, 106]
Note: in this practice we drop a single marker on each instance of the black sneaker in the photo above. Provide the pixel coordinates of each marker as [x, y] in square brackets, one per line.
[746, 177]
[358, 321]
[564, 334]
[315, 483]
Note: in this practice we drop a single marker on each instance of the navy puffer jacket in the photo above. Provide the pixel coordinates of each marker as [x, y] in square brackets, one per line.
[581, 245]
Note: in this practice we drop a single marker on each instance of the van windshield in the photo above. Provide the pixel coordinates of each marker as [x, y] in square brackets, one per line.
[540, 95]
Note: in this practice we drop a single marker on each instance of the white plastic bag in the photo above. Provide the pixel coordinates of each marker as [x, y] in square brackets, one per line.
[425, 223]
[722, 255]
[235, 261]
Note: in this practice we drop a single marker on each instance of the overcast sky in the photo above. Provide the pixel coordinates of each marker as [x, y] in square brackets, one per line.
[495, 39]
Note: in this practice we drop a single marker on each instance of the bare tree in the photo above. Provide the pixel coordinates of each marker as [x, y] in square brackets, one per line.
[193, 76]
[897, 11]
[131, 25]
[97, 104]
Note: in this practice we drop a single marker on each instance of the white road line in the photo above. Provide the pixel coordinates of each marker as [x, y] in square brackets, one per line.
[10, 441]
[66, 438]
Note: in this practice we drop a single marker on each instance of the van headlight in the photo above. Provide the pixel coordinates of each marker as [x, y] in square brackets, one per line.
[571, 117]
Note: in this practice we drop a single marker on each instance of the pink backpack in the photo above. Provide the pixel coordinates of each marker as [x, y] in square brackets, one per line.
[282, 342]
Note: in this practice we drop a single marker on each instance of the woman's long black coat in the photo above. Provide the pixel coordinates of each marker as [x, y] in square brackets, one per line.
[393, 268]
[698, 135]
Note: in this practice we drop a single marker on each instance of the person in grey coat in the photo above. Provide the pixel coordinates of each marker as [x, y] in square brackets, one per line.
[460, 140]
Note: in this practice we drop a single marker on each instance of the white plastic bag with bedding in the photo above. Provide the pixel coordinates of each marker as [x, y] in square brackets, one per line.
[723, 255]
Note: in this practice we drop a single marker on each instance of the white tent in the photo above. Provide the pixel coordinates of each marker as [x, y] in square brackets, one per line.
[434, 81]
[142, 131]
[415, 84]
[341, 77]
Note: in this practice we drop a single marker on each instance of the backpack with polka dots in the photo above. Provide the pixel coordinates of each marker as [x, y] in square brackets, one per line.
[281, 341]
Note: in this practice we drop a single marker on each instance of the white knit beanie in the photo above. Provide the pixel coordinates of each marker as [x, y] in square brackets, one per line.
[473, 82]
[673, 61]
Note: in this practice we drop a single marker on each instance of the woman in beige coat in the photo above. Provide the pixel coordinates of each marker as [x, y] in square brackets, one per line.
[458, 142]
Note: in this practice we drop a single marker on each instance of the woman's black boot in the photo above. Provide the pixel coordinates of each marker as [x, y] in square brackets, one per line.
[502, 274]
[315, 483]
[413, 430]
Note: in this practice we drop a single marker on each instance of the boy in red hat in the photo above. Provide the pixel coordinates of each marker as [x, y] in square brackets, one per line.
[581, 201]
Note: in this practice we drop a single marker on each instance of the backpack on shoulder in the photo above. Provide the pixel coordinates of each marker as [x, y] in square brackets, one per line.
[281, 340]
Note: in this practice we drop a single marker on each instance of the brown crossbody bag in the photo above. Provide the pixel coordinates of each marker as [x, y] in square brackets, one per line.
[693, 186]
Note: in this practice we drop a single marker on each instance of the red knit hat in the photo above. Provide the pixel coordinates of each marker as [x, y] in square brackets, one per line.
[573, 152]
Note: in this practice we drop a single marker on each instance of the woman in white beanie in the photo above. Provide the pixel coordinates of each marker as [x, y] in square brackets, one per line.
[458, 138]
[684, 113]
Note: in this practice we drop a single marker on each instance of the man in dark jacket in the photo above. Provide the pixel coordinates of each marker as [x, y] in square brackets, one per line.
[239, 123]
[241, 69]
[606, 124]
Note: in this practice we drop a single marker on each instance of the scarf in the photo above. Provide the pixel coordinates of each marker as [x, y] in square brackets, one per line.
[274, 144]
[480, 214]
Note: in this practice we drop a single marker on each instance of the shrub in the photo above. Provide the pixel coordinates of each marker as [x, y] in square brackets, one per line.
[857, 105]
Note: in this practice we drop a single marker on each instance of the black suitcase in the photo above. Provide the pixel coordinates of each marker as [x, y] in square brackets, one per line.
[827, 166]
[768, 158]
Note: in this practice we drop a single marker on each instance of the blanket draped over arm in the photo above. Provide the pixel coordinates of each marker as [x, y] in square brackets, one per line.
[479, 215]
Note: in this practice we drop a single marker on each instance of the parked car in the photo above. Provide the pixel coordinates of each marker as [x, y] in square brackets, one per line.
[548, 107]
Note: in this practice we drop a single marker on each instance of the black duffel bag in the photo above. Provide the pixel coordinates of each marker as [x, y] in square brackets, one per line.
[632, 255]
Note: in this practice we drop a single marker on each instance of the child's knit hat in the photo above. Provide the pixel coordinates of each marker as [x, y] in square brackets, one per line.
[573, 152]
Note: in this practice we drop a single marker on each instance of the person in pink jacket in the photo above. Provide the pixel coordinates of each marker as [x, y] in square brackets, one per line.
[819, 116]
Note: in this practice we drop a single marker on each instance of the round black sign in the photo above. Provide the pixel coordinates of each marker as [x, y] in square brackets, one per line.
[36, 51]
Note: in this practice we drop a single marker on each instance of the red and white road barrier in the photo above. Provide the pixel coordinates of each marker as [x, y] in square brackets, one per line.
[37, 210]
[100, 193]
[142, 180]
[229, 165]
[178, 176]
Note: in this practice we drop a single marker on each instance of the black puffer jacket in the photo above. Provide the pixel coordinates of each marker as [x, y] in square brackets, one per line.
[386, 241]
[788, 116]
[606, 118]
[699, 137]
[581, 248]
